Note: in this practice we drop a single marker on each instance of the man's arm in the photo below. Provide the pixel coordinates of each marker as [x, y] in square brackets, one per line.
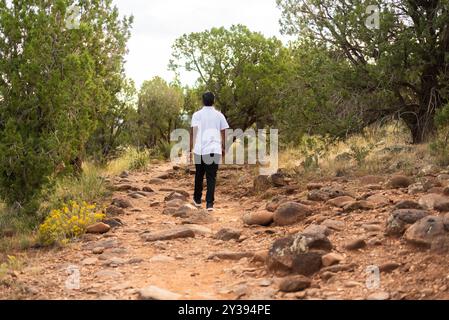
[193, 133]
[223, 143]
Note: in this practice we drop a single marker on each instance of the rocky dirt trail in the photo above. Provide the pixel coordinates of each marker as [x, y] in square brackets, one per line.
[269, 238]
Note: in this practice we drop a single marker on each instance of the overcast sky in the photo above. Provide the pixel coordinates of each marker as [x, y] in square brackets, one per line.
[157, 24]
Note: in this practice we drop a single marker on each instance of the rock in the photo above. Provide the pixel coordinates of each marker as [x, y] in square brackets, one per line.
[275, 203]
[389, 267]
[442, 205]
[314, 229]
[425, 231]
[314, 186]
[124, 174]
[262, 218]
[148, 189]
[156, 181]
[261, 183]
[98, 250]
[437, 190]
[155, 293]
[125, 187]
[378, 200]
[122, 203]
[227, 234]
[331, 259]
[295, 284]
[175, 203]
[136, 195]
[291, 213]
[335, 192]
[107, 244]
[300, 254]
[183, 192]
[199, 230]
[381, 295]
[114, 262]
[340, 268]
[371, 180]
[355, 244]
[358, 205]
[98, 228]
[416, 188]
[172, 234]
[175, 195]
[228, 255]
[161, 259]
[407, 204]
[334, 224]
[278, 180]
[113, 222]
[318, 195]
[399, 181]
[114, 211]
[372, 227]
[399, 219]
[432, 201]
[340, 202]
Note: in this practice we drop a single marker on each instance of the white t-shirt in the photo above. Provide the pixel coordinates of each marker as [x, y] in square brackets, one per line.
[210, 123]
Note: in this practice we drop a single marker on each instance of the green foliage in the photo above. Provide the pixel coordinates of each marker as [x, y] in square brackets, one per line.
[243, 68]
[158, 112]
[359, 153]
[439, 148]
[313, 149]
[54, 83]
[398, 69]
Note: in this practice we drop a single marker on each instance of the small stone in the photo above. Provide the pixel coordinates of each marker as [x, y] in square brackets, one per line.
[227, 234]
[261, 183]
[122, 203]
[340, 202]
[389, 267]
[262, 218]
[177, 233]
[331, 259]
[408, 204]
[114, 211]
[355, 244]
[334, 224]
[295, 284]
[314, 186]
[314, 229]
[98, 228]
[358, 205]
[98, 250]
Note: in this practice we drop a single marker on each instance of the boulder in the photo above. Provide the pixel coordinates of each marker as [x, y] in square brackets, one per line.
[408, 204]
[425, 231]
[290, 213]
[300, 253]
[318, 195]
[398, 220]
[340, 202]
[432, 201]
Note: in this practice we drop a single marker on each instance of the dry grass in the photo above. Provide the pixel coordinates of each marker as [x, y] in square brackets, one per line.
[378, 150]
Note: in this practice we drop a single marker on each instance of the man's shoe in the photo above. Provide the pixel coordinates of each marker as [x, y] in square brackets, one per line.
[210, 207]
[196, 204]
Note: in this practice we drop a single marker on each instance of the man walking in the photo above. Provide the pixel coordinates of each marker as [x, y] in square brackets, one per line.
[207, 140]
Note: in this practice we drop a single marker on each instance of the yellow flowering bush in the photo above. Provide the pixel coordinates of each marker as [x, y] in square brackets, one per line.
[68, 222]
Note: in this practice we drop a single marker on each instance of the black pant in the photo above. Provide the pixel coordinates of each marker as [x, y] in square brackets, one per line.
[206, 164]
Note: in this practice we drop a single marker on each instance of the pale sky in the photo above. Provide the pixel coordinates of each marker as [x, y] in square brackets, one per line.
[158, 23]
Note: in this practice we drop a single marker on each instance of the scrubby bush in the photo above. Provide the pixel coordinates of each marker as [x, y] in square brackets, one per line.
[70, 221]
